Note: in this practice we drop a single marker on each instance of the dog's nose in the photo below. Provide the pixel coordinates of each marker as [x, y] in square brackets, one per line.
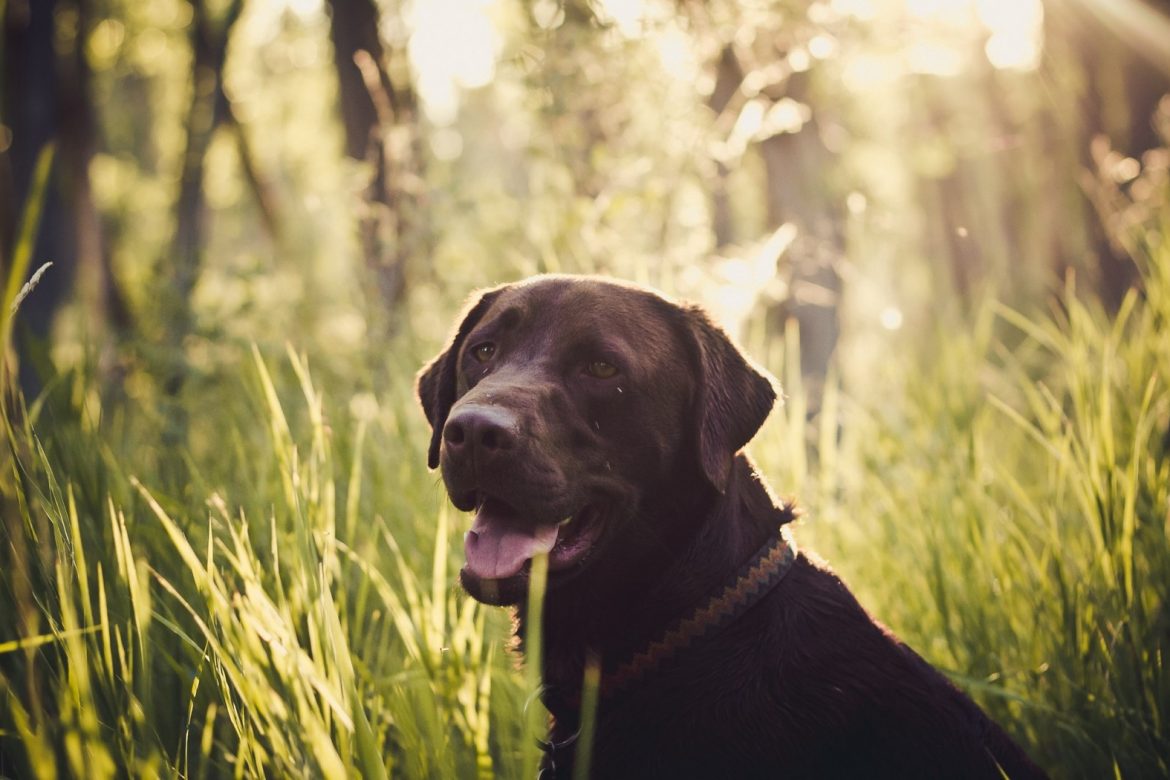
[480, 431]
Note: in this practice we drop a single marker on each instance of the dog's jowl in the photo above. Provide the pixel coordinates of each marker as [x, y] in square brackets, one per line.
[602, 424]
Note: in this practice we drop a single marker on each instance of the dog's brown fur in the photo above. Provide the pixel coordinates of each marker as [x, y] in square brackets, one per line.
[805, 683]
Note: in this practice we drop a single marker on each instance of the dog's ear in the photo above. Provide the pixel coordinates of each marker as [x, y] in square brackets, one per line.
[733, 397]
[437, 380]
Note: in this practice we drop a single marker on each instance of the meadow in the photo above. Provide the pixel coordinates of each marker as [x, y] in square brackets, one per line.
[221, 551]
[280, 599]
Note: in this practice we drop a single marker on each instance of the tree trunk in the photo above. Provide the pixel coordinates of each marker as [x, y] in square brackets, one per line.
[46, 99]
[206, 110]
[728, 77]
[1123, 83]
[353, 27]
[32, 111]
[795, 167]
[380, 119]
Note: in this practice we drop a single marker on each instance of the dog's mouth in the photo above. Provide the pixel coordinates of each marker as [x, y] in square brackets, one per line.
[501, 541]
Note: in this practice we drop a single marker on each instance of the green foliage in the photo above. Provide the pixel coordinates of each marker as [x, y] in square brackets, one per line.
[197, 637]
[1006, 512]
[277, 596]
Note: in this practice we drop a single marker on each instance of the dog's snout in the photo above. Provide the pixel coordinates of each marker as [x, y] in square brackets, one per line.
[480, 431]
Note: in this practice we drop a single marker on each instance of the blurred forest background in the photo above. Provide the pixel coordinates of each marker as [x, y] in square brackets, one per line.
[942, 223]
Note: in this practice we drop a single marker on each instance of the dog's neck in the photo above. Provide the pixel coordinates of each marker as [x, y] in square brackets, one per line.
[710, 534]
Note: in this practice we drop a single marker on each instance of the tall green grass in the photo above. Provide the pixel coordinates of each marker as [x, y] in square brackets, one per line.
[289, 608]
[1005, 507]
[305, 629]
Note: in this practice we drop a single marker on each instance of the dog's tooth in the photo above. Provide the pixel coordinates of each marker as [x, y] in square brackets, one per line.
[565, 521]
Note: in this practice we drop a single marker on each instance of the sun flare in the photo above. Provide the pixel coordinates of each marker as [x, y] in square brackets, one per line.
[1013, 28]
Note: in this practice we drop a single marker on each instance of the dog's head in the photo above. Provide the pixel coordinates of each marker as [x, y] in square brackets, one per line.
[566, 409]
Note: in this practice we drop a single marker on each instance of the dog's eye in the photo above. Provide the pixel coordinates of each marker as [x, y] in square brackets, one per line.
[483, 352]
[601, 369]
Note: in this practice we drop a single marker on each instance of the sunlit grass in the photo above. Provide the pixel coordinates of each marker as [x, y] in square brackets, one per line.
[22, 252]
[1007, 516]
[999, 495]
[292, 651]
[278, 597]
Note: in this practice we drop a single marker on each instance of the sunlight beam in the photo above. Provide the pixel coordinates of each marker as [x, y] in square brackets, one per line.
[1141, 26]
[1015, 31]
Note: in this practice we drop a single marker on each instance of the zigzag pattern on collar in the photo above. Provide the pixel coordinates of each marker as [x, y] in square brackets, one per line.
[762, 572]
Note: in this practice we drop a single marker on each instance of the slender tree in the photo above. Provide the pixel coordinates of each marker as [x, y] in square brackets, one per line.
[796, 166]
[46, 99]
[1119, 55]
[207, 109]
[380, 116]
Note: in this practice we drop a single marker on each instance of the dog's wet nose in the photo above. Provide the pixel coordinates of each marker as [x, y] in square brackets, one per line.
[480, 431]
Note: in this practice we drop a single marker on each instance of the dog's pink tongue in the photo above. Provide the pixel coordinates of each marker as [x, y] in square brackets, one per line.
[499, 541]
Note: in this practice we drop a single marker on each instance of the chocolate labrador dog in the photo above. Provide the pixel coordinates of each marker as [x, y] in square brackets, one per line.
[601, 424]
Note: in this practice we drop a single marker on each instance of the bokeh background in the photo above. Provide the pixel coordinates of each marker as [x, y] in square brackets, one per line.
[941, 223]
